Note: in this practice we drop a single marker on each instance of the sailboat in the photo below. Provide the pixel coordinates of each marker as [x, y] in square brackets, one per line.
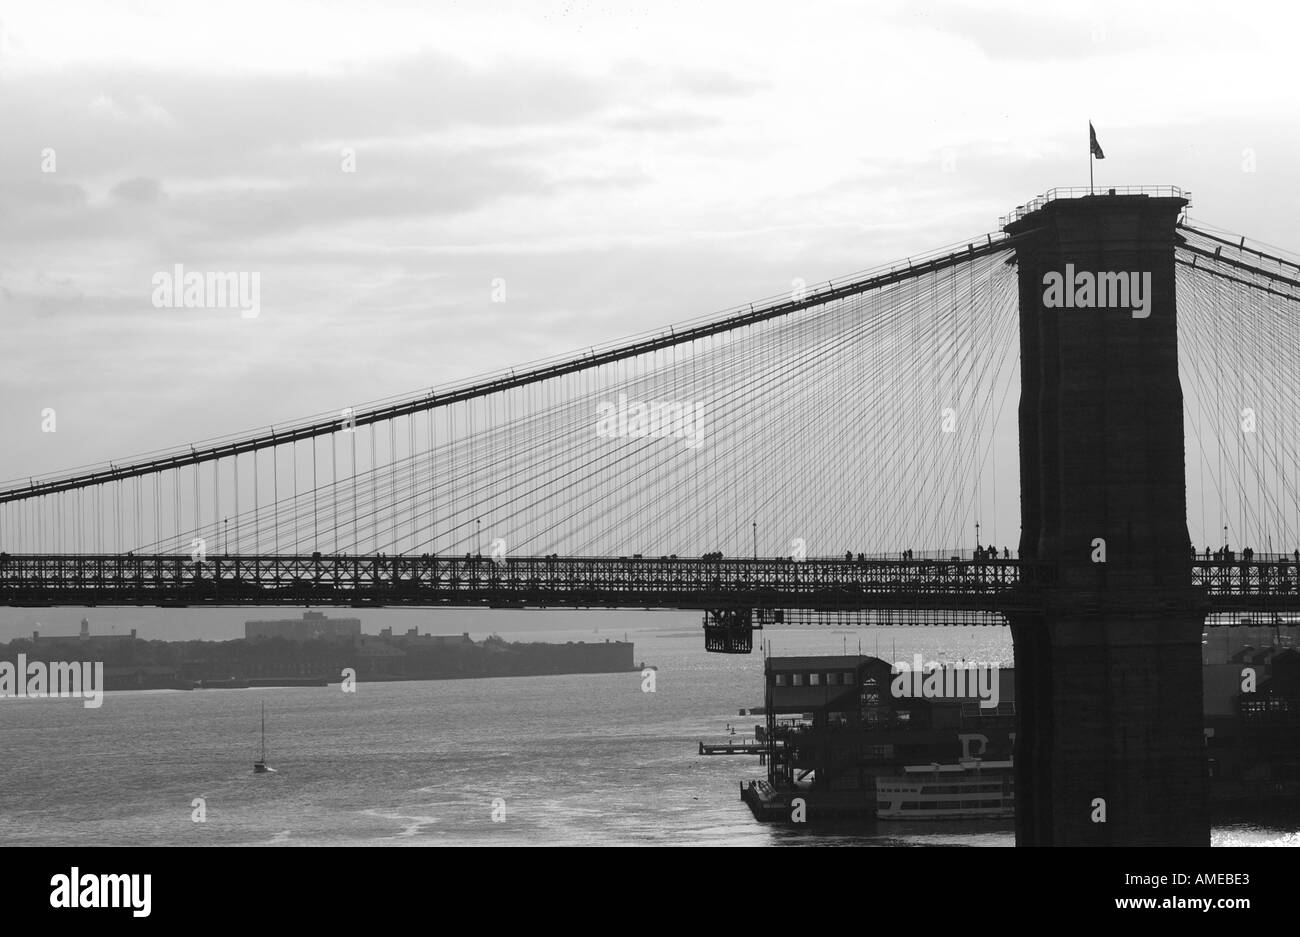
[259, 766]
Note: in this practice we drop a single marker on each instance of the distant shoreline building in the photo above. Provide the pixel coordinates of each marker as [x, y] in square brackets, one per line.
[83, 636]
[415, 639]
[312, 625]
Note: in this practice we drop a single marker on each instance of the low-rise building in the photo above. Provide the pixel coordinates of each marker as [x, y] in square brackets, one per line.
[311, 626]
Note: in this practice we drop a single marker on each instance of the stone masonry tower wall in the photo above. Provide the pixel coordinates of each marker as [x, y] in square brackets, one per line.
[1109, 673]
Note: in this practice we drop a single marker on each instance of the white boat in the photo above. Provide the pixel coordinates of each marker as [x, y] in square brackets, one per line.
[259, 766]
[971, 789]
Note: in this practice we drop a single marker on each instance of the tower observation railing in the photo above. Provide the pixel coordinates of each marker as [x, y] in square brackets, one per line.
[1083, 191]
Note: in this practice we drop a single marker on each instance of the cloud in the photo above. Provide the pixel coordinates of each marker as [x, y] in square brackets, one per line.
[1028, 33]
[250, 123]
[717, 83]
[140, 189]
[664, 121]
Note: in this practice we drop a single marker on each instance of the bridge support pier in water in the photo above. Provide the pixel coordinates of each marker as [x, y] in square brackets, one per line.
[1109, 746]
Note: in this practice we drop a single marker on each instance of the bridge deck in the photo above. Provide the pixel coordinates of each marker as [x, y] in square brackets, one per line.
[988, 585]
[516, 582]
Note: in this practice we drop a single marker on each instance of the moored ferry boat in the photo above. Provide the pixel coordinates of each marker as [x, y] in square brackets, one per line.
[970, 789]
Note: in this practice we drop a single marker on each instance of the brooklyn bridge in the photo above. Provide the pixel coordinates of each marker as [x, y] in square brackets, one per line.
[832, 454]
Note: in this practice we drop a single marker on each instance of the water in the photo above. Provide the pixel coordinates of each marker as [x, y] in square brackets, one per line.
[577, 760]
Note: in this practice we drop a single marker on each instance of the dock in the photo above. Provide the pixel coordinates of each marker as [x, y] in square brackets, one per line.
[735, 745]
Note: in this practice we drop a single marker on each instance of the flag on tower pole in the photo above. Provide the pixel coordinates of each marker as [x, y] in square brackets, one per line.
[1094, 149]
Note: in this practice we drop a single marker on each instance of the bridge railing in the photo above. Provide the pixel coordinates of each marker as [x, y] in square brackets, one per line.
[1260, 576]
[934, 556]
[664, 582]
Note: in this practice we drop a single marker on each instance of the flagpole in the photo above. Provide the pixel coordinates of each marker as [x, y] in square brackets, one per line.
[1091, 190]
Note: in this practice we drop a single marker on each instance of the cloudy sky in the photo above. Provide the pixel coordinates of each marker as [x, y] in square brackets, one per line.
[619, 166]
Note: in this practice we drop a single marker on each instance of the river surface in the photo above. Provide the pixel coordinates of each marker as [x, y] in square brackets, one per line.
[575, 760]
